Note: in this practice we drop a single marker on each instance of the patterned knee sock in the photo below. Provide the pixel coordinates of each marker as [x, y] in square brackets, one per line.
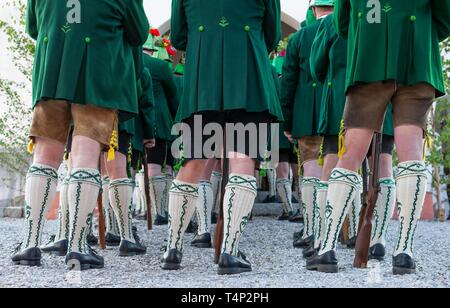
[342, 189]
[140, 182]
[157, 197]
[120, 195]
[112, 225]
[239, 198]
[216, 182]
[309, 199]
[296, 190]
[169, 181]
[354, 214]
[182, 201]
[284, 188]
[40, 189]
[272, 179]
[383, 211]
[64, 223]
[411, 190]
[322, 191]
[204, 207]
[84, 187]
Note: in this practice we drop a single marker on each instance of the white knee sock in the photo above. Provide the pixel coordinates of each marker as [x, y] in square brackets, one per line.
[296, 191]
[284, 188]
[40, 190]
[182, 202]
[120, 195]
[84, 188]
[354, 214]
[239, 198]
[204, 207]
[272, 179]
[383, 211]
[322, 191]
[112, 225]
[342, 189]
[309, 200]
[169, 181]
[157, 197]
[411, 190]
[216, 182]
[64, 224]
[141, 185]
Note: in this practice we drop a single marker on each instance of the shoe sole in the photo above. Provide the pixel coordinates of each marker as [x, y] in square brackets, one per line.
[131, 254]
[55, 253]
[160, 223]
[32, 263]
[85, 267]
[403, 271]
[232, 271]
[112, 244]
[202, 245]
[170, 266]
[328, 269]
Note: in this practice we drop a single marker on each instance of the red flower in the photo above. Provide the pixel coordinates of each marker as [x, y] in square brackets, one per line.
[171, 51]
[155, 32]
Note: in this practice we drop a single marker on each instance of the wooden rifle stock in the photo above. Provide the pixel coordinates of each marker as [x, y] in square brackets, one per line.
[370, 198]
[101, 223]
[147, 191]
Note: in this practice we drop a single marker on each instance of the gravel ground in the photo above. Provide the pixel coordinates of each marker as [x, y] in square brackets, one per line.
[268, 244]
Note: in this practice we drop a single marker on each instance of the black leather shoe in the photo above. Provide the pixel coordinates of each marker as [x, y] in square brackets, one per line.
[351, 243]
[231, 265]
[161, 221]
[82, 262]
[58, 249]
[377, 252]
[142, 216]
[112, 240]
[214, 218]
[304, 243]
[326, 263]
[298, 235]
[202, 241]
[285, 216]
[309, 252]
[192, 228]
[129, 249]
[92, 240]
[297, 217]
[28, 257]
[172, 260]
[403, 264]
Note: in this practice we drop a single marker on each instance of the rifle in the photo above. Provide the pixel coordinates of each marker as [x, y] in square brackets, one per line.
[370, 200]
[218, 238]
[147, 191]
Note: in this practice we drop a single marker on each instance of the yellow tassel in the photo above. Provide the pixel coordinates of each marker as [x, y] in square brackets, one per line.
[428, 142]
[113, 145]
[321, 160]
[341, 141]
[30, 147]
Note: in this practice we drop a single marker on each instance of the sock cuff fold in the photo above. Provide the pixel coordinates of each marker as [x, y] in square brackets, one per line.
[89, 176]
[40, 170]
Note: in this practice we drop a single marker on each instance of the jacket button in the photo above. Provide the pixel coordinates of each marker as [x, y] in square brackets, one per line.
[413, 18]
[314, 85]
[88, 40]
[360, 15]
[201, 29]
[247, 28]
[46, 40]
[330, 84]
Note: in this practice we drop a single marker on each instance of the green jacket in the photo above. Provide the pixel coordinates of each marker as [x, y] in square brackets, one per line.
[165, 93]
[404, 46]
[179, 82]
[301, 96]
[226, 44]
[329, 67]
[283, 141]
[87, 62]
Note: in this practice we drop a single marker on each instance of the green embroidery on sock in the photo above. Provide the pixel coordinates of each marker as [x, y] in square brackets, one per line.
[29, 225]
[41, 213]
[228, 230]
[385, 217]
[376, 221]
[75, 219]
[413, 213]
[120, 213]
[87, 176]
[80, 240]
[37, 170]
[183, 214]
[305, 218]
[314, 210]
[402, 221]
[205, 209]
[354, 223]
[341, 219]
[237, 180]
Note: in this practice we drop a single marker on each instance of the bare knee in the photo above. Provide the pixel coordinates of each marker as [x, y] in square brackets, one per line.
[409, 142]
[48, 152]
[190, 173]
[283, 171]
[85, 153]
[117, 169]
